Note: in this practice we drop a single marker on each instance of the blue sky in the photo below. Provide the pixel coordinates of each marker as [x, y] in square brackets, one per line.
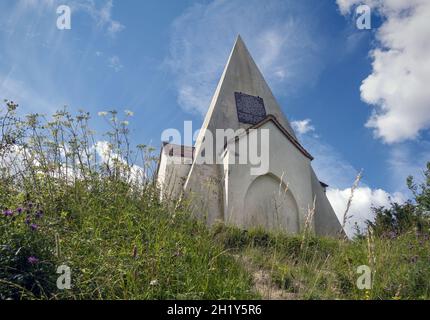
[345, 90]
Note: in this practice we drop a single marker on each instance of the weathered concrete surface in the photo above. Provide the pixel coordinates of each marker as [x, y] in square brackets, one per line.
[279, 198]
[173, 170]
[325, 219]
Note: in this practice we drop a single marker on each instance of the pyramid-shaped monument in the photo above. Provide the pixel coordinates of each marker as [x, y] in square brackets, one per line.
[247, 167]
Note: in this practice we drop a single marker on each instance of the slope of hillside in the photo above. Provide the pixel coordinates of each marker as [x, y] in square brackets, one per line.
[127, 246]
[63, 208]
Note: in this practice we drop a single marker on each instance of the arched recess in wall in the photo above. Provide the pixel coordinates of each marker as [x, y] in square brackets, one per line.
[269, 203]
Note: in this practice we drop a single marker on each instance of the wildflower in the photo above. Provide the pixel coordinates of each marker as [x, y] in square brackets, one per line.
[367, 294]
[178, 253]
[19, 210]
[32, 260]
[413, 259]
[34, 226]
[8, 213]
[102, 114]
[11, 106]
[153, 282]
[39, 214]
[27, 220]
[129, 113]
[124, 123]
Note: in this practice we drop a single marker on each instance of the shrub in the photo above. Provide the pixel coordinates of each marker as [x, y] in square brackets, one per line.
[414, 215]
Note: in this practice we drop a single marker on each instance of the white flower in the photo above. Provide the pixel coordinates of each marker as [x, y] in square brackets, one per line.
[129, 113]
[102, 113]
[153, 282]
[125, 123]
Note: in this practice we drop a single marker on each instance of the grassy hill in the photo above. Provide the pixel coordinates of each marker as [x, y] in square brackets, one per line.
[61, 205]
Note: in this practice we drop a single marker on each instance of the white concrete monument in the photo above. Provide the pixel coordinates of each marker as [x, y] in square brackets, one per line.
[247, 167]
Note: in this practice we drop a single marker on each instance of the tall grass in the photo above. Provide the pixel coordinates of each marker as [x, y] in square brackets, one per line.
[63, 203]
[326, 268]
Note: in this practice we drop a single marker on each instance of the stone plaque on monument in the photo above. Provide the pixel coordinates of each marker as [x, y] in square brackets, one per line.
[250, 109]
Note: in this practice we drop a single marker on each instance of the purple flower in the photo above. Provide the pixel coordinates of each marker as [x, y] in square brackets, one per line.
[8, 213]
[27, 220]
[32, 260]
[19, 210]
[34, 226]
[39, 214]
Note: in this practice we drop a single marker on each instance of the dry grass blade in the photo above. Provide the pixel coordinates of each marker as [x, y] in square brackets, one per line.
[348, 205]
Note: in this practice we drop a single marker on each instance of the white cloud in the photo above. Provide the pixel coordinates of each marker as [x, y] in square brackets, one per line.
[398, 84]
[102, 14]
[302, 126]
[283, 46]
[333, 169]
[32, 3]
[108, 156]
[115, 27]
[104, 150]
[363, 200]
[115, 63]
[27, 76]
[17, 158]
